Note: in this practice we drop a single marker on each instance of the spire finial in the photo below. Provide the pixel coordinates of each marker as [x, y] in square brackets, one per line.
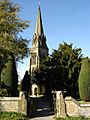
[39, 3]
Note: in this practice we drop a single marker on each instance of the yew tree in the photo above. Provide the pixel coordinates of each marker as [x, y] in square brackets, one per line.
[60, 70]
[3, 59]
[69, 57]
[84, 80]
[25, 83]
[9, 76]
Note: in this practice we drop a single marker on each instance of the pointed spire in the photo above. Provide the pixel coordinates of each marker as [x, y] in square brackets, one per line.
[39, 26]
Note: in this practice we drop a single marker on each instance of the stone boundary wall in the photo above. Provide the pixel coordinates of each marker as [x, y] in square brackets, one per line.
[76, 109]
[14, 104]
[59, 104]
[69, 106]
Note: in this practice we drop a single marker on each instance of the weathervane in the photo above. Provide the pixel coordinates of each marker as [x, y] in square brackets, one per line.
[39, 2]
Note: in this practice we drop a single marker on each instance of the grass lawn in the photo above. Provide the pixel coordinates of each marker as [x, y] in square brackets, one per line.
[84, 102]
[73, 118]
[12, 116]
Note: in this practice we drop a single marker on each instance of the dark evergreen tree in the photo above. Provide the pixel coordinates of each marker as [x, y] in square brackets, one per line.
[25, 83]
[60, 70]
[3, 58]
[84, 80]
[9, 76]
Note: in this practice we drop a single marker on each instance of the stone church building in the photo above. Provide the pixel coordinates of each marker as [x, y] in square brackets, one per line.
[38, 50]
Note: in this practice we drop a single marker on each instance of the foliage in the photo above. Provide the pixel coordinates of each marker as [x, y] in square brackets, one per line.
[3, 92]
[12, 116]
[25, 83]
[73, 118]
[10, 27]
[84, 80]
[60, 70]
[39, 90]
[9, 76]
[19, 87]
[3, 58]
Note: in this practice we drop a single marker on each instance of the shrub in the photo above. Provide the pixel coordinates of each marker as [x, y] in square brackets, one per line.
[12, 116]
[73, 118]
[84, 80]
[3, 92]
[39, 90]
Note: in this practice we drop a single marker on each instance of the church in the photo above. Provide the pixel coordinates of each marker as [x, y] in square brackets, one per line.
[38, 51]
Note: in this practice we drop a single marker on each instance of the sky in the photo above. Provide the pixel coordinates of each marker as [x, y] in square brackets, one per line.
[63, 20]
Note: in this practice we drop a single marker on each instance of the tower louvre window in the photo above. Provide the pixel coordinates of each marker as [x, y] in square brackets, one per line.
[33, 59]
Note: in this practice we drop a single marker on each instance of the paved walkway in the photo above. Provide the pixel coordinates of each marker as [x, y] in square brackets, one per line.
[44, 110]
[44, 118]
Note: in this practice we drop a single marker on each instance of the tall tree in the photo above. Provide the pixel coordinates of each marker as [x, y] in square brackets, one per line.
[84, 80]
[3, 59]
[61, 69]
[69, 58]
[25, 83]
[9, 76]
[10, 27]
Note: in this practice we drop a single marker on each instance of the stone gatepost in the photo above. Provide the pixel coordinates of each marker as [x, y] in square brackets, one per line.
[60, 105]
[54, 101]
[23, 102]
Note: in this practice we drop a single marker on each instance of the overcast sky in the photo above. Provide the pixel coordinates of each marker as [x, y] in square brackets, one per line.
[63, 20]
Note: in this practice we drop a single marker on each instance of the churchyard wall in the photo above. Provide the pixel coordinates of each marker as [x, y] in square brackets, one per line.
[14, 104]
[70, 107]
[74, 108]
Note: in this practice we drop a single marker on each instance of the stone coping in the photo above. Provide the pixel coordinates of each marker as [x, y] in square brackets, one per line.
[9, 98]
[34, 96]
[85, 104]
[72, 99]
[69, 98]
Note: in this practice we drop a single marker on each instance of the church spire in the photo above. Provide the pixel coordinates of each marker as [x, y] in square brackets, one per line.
[39, 26]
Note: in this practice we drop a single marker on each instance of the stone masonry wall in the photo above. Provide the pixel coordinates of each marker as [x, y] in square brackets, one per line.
[75, 109]
[69, 106]
[14, 104]
[9, 104]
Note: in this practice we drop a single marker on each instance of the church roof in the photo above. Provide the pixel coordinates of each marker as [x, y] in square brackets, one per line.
[39, 26]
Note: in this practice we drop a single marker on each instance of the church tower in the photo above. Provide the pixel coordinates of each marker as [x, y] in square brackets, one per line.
[39, 47]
